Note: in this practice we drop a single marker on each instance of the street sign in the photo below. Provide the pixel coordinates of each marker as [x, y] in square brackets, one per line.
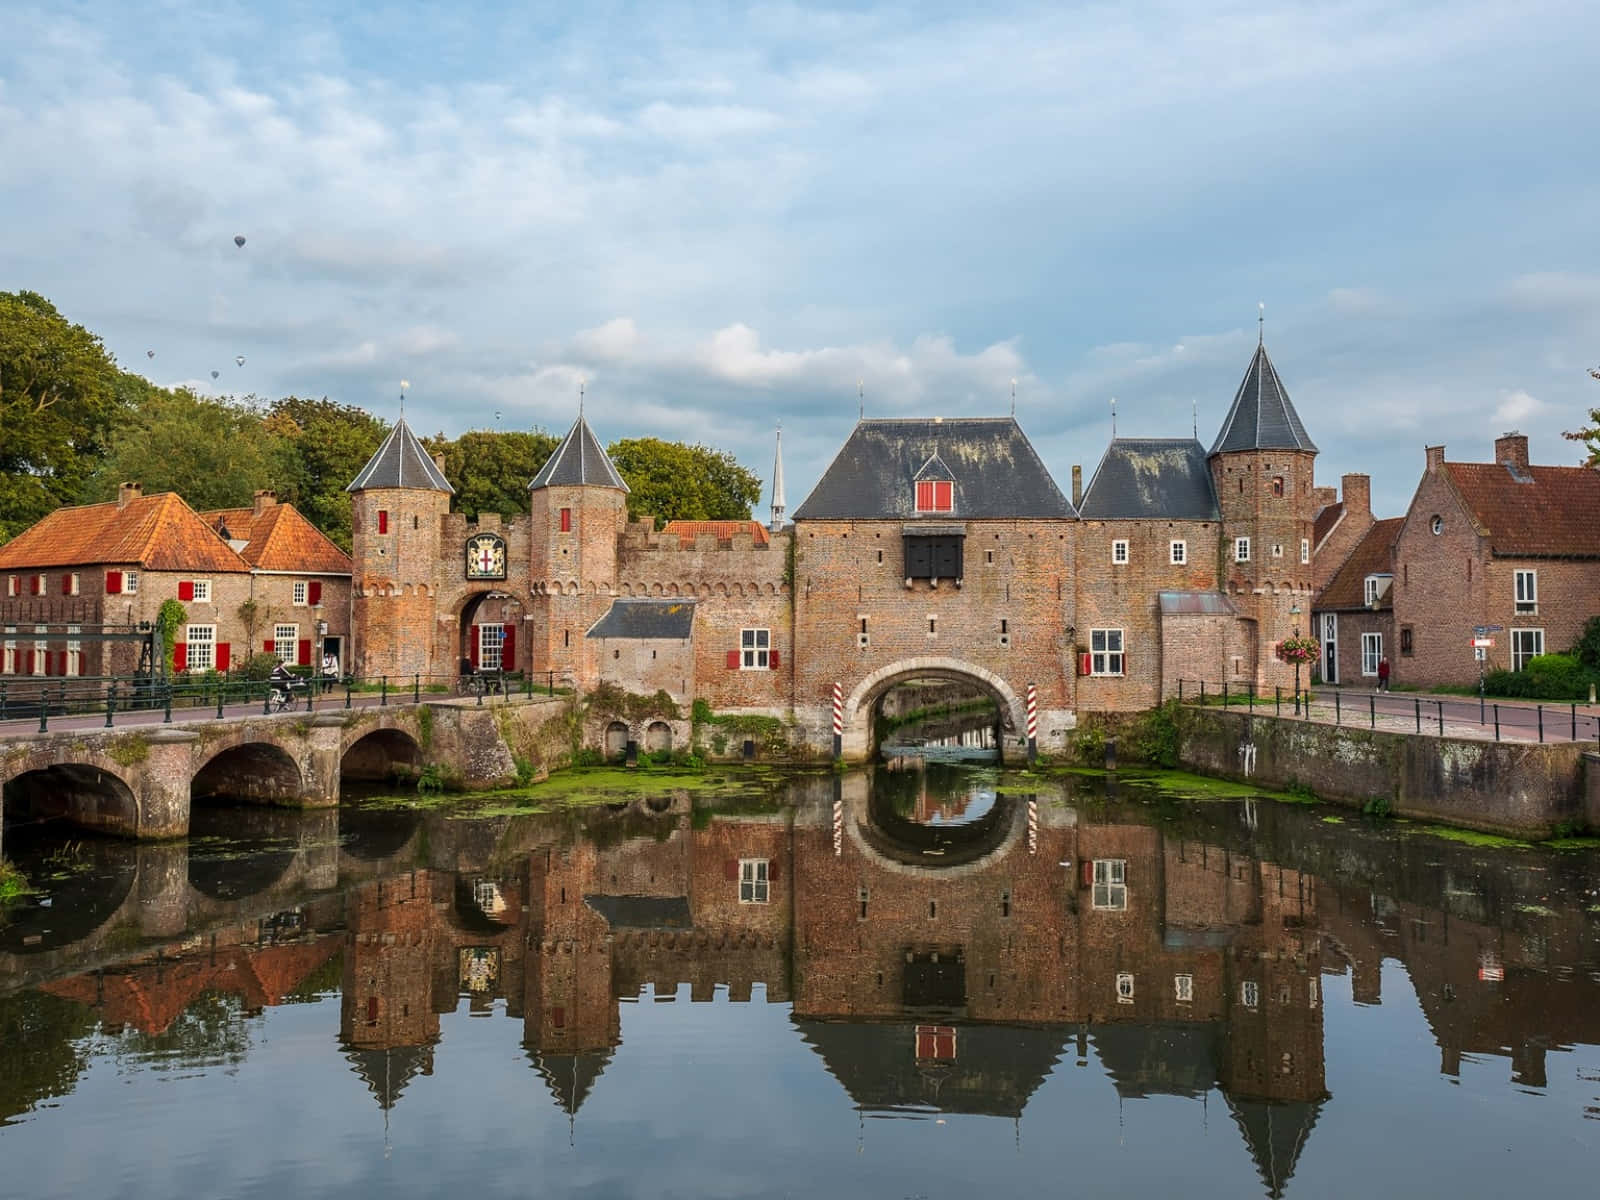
[1483, 642]
[1486, 630]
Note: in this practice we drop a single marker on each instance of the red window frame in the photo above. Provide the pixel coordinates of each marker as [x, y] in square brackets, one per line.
[383, 520]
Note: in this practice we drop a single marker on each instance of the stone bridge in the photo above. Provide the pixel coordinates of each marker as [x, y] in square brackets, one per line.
[142, 781]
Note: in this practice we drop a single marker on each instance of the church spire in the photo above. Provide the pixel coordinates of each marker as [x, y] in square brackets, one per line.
[778, 505]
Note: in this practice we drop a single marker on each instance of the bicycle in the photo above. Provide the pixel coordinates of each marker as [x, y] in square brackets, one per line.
[286, 698]
[480, 683]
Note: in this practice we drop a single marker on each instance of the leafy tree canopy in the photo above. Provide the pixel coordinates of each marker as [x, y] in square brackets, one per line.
[672, 481]
[1589, 435]
[491, 471]
[59, 399]
[321, 446]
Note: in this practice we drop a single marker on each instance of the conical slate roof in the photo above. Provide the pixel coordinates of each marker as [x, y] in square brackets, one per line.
[1275, 1134]
[386, 1072]
[401, 462]
[1262, 417]
[570, 1077]
[578, 460]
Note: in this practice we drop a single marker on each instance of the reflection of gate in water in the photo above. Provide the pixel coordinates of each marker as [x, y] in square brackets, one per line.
[480, 968]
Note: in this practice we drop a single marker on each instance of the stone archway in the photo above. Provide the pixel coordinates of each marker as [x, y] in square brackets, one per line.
[259, 772]
[380, 756]
[861, 699]
[86, 794]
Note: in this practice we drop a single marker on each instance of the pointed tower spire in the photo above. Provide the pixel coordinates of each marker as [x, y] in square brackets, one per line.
[1262, 418]
[778, 505]
[401, 462]
[579, 459]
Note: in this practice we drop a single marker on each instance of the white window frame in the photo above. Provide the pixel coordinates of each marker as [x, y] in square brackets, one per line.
[916, 499]
[491, 647]
[9, 664]
[1305, 551]
[1106, 650]
[202, 590]
[11, 585]
[1124, 987]
[1525, 644]
[41, 651]
[297, 593]
[72, 584]
[202, 645]
[287, 649]
[1119, 552]
[755, 880]
[1371, 653]
[1527, 591]
[1241, 549]
[130, 583]
[755, 649]
[1110, 893]
[1183, 988]
[1178, 553]
[74, 650]
[1371, 589]
[1250, 994]
[44, 584]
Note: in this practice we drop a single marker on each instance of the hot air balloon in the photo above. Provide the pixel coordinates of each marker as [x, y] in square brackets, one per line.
[240, 360]
[214, 374]
[149, 353]
[238, 239]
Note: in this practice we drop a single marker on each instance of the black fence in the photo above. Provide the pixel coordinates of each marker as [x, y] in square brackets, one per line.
[1427, 714]
[227, 695]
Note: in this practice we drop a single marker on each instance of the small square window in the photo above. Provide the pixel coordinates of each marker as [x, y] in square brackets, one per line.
[755, 649]
[1119, 551]
[754, 881]
[130, 583]
[1179, 552]
[286, 643]
[1183, 988]
[1105, 652]
[1527, 591]
[299, 592]
[1124, 988]
[202, 591]
[1250, 993]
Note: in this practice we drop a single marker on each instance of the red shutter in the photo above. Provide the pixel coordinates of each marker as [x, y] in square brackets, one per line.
[941, 497]
[185, 589]
[372, 1010]
[924, 497]
[269, 647]
[1124, 662]
[773, 660]
[29, 671]
[1085, 663]
[113, 583]
[1086, 872]
[730, 870]
[49, 661]
[314, 592]
[383, 520]
[772, 870]
[303, 652]
[66, 585]
[223, 653]
[558, 1017]
[733, 660]
[566, 520]
[472, 645]
[180, 656]
[508, 650]
[33, 584]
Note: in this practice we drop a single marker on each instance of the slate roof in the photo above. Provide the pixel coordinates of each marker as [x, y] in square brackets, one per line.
[723, 531]
[1262, 418]
[1275, 1134]
[579, 459]
[159, 533]
[629, 618]
[1554, 514]
[387, 1072]
[570, 1077]
[1151, 477]
[1373, 555]
[1173, 1059]
[1211, 604]
[401, 462]
[997, 472]
[642, 912]
[281, 539]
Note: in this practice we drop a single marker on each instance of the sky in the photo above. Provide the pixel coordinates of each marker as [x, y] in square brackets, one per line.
[720, 217]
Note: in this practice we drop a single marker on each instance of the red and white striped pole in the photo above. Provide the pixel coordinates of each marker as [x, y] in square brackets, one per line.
[838, 828]
[838, 721]
[1033, 826]
[1033, 722]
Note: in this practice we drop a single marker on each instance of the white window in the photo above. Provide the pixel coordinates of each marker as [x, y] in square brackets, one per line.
[9, 665]
[1179, 553]
[491, 647]
[753, 877]
[1105, 652]
[1124, 988]
[202, 591]
[1437, 524]
[202, 647]
[130, 583]
[1119, 551]
[1371, 652]
[1110, 884]
[1241, 549]
[299, 598]
[1277, 549]
[1183, 988]
[1525, 644]
[1311, 991]
[1305, 550]
[74, 650]
[41, 585]
[1373, 587]
[755, 649]
[1527, 591]
[72, 584]
[41, 656]
[11, 585]
[286, 643]
[1250, 993]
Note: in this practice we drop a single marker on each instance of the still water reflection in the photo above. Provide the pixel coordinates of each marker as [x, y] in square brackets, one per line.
[901, 984]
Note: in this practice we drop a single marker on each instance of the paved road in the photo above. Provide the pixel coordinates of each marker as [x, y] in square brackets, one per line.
[1520, 720]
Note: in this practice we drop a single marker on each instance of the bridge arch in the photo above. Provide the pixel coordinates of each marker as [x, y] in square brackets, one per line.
[379, 755]
[246, 768]
[860, 700]
[91, 793]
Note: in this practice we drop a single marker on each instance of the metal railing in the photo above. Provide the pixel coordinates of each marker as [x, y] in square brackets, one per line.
[1570, 722]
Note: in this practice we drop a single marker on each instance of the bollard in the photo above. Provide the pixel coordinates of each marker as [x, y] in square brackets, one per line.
[44, 712]
[1574, 722]
[311, 694]
[383, 691]
[1497, 722]
[1539, 711]
[166, 704]
[1277, 700]
[1418, 703]
[416, 689]
[1372, 712]
[349, 687]
[1440, 703]
[111, 701]
[220, 688]
[1250, 696]
[1337, 706]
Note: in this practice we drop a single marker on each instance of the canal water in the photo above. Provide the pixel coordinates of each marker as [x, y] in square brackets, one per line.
[926, 982]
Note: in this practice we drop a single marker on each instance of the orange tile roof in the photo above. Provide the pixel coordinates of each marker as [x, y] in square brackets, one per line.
[1372, 556]
[1327, 517]
[281, 539]
[1551, 512]
[723, 531]
[158, 533]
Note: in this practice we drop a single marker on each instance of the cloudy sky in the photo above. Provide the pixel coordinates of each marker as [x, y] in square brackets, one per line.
[725, 216]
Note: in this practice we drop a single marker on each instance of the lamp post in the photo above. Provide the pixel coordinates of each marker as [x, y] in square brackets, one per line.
[1294, 612]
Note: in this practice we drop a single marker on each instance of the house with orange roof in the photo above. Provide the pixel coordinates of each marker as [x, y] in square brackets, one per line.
[1353, 616]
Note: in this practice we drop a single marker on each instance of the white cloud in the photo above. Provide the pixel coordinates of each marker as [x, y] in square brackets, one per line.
[1516, 408]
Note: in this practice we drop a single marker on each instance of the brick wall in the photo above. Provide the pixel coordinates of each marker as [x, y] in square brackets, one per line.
[1351, 527]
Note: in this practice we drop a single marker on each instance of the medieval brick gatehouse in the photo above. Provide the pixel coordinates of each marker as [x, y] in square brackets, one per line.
[930, 548]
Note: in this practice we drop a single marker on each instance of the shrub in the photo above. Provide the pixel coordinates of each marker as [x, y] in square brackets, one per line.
[1587, 650]
[1547, 677]
[259, 666]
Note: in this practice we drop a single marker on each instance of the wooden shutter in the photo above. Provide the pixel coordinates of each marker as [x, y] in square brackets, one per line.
[180, 656]
[472, 645]
[566, 520]
[772, 870]
[269, 647]
[223, 654]
[383, 520]
[303, 652]
[113, 583]
[733, 660]
[30, 655]
[33, 584]
[508, 649]
[185, 589]
[1085, 663]
[1086, 872]
[730, 870]
[66, 584]
[772, 659]
[1124, 662]
[941, 496]
[925, 497]
[314, 592]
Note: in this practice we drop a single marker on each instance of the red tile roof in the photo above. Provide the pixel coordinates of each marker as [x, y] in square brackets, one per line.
[159, 533]
[281, 539]
[723, 531]
[1547, 512]
[1327, 517]
[1372, 556]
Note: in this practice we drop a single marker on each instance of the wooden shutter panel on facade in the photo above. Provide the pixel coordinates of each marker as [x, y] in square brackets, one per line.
[185, 589]
[303, 652]
[113, 583]
[472, 645]
[269, 647]
[33, 584]
[180, 656]
[508, 649]
[733, 660]
[314, 592]
[730, 870]
[66, 585]
[772, 870]
[772, 660]
[1086, 872]
[224, 652]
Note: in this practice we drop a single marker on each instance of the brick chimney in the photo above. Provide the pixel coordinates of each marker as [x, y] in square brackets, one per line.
[261, 501]
[1435, 458]
[1077, 486]
[1357, 491]
[1512, 450]
[1323, 496]
[128, 492]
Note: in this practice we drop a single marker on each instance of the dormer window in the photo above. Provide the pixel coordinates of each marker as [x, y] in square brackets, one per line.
[935, 495]
[1374, 587]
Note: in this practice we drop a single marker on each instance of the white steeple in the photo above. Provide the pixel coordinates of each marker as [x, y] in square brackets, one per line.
[778, 505]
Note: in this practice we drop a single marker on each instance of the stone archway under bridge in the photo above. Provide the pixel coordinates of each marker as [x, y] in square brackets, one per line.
[861, 700]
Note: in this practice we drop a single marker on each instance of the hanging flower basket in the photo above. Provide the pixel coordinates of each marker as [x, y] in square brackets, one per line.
[1298, 650]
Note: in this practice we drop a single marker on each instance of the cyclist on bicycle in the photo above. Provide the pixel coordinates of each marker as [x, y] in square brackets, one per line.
[282, 681]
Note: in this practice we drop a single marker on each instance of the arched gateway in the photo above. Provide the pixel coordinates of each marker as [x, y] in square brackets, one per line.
[860, 700]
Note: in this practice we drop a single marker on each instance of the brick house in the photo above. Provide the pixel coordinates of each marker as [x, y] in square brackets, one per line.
[1500, 543]
[1353, 614]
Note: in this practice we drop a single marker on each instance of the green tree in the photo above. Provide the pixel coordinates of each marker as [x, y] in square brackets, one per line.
[673, 481]
[322, 446]
[47, 1048]
[491, 471]
[213, 452]
[58, 405]
[1589, 435]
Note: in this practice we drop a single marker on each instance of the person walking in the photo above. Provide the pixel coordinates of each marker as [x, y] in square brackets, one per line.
[330, 670]
[1383, 674]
